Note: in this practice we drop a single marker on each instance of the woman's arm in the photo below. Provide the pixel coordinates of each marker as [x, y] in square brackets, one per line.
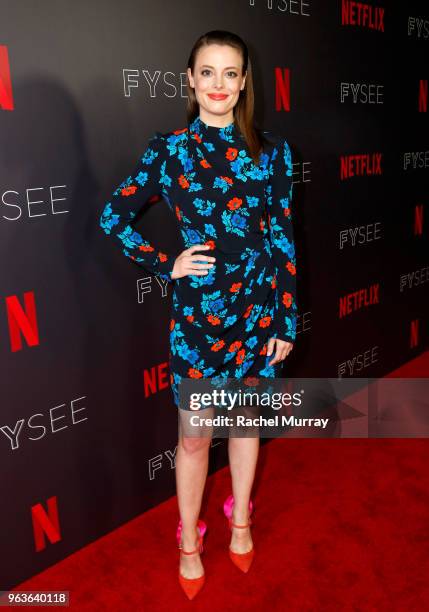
[278, 201]
[147, 179]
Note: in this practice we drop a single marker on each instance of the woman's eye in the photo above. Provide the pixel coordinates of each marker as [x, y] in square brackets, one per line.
[230, 72]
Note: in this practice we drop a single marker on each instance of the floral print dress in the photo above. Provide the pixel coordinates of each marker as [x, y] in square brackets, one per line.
[220, 322]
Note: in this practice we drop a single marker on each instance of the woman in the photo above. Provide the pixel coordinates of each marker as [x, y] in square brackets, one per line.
[234, 285]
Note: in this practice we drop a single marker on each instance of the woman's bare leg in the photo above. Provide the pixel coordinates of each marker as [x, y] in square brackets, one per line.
[191, 473]
[243, 457]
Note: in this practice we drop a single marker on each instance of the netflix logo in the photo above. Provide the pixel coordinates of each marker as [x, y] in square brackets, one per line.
[22, 321]
[6, 95]
[362, 15]
[282, 89]
[418, 220]
[155, 379]
[364, 164]
[45, 523]
[362, 298]
[423, 96]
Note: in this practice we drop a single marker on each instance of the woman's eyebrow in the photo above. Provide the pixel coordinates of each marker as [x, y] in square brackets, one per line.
[227, 68]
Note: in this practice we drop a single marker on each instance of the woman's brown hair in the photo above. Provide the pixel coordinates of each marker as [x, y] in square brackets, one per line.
[244, 109]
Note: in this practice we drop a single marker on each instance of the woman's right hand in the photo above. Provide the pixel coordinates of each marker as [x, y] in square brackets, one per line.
[185, 263]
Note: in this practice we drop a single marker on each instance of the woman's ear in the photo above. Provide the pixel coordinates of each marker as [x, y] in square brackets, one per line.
[191, 80]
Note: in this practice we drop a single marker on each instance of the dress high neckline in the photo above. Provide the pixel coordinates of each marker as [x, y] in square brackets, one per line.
[204, 129]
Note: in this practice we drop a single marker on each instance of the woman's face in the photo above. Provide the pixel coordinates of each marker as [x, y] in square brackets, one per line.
[217, 72]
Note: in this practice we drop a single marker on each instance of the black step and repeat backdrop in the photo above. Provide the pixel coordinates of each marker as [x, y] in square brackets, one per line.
[88, 425]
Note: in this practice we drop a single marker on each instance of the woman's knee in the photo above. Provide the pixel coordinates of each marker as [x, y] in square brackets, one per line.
[192, 445]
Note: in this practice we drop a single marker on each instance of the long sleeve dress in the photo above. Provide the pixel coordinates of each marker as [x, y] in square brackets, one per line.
[220, 322]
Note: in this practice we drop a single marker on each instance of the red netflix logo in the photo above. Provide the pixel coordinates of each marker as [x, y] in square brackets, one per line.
[418, 220]
[22, 322]
[362, 298]
[156, 379]
[366, 164]
[363, 15]
[423, 96]
[6, 97]
[414, 333]
[45, 523]
[282, 84]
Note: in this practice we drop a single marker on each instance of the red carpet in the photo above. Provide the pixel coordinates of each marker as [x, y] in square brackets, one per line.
[338, 525]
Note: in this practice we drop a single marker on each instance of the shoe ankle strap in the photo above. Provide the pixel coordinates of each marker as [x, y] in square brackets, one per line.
[231, 524]
[188, 552]
[196, 550]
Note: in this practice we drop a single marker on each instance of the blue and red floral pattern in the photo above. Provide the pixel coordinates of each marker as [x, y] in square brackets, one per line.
[220, 322]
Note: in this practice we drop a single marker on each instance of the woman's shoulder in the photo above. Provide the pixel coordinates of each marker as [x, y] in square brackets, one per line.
[171, 133]
[167, 143]
[271, 141]
[162, 143]
[273, 138]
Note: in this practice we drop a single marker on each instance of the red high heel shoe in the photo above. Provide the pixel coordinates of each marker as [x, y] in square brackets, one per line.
[192, 586]
[241, 560]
